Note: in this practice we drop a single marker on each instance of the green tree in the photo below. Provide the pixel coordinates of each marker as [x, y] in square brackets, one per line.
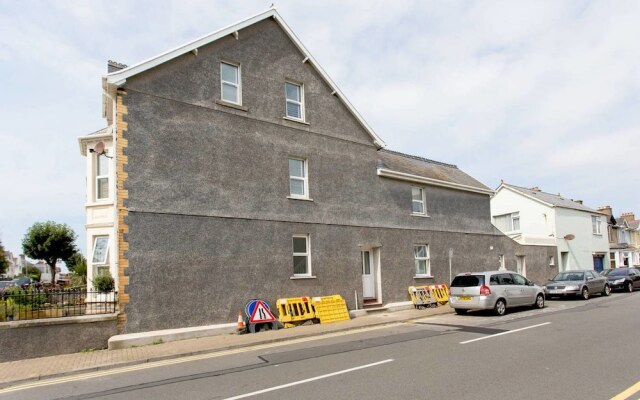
[4, 264]
[78, 265]
[50, 242]
[32, 272]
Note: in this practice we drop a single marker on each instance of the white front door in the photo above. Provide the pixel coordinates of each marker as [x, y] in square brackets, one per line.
[521, 267]
[368, 275]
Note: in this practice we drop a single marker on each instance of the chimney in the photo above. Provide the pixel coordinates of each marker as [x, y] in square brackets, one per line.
[606, 209]
[113, 66]
[628, 216]
[578, 201]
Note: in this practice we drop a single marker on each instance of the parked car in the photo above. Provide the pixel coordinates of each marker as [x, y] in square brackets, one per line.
[581, 283]
[23, 282]
[626, 279]
[493, 290]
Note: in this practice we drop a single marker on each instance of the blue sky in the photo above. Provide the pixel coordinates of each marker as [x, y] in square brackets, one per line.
[538, 93]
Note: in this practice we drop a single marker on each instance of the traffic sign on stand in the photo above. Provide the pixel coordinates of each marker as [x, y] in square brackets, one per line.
[259, 314]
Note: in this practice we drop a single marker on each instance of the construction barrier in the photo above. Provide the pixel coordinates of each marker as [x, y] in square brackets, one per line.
[330, 309]
[440, 293]
[295, 311]
[421, 297]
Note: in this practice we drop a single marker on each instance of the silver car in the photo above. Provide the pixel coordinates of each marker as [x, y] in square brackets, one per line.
[581, 283]
[493, 290]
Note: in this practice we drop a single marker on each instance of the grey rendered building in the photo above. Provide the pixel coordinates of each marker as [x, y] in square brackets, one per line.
[243, 172]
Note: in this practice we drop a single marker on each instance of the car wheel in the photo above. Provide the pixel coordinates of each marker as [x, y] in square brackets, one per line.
[607, 290]
[629, 287]
[539, 301]
[460, 311]
[585, 293]
[500, 308]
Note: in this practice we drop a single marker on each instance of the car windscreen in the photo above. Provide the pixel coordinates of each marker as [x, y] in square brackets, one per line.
[569, 276]
[468, 281]
[618, 272]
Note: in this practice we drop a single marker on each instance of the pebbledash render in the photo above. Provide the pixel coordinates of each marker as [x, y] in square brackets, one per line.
[241, 171]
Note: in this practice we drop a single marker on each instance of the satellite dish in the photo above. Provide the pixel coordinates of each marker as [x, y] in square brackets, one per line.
[99, 148]
[569, 237]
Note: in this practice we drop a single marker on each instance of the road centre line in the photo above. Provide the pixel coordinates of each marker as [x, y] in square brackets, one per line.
[505, 333]
[197, 357]
[627, 393]
[344, 371]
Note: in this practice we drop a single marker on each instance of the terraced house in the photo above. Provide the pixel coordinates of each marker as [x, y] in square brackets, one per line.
[241, 171]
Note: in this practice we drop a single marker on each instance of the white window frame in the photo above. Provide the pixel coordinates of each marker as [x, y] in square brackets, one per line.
[515, 217]
[288, 100]
[423, 201]
[595, 225]
[105, 259]
[509, 220]
[304, 179]
[427, 259]
[307, 254]
[237, 85]
[105, 175]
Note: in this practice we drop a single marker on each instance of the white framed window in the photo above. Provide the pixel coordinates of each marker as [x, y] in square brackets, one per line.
[301, 256]
[100, 250]
[507, 222]
[230, 87]
[298, 182]
[102, 177]
[418, 201]
[423, 263]
[595, 225]
[295, 100]
[552, 261]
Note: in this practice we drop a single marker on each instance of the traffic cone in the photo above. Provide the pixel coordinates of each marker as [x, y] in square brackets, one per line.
[241, 327]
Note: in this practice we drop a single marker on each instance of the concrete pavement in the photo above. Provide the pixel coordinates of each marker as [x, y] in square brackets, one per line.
[14, 372]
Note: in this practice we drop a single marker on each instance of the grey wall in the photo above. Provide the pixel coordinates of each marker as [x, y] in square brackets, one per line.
[209, 220]
[29, 339]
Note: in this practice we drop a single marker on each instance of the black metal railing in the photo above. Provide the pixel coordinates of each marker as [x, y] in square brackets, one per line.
[18, 304]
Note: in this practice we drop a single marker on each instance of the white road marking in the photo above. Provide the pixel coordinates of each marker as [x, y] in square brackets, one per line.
[155, 364]
[344, 371]
[504, 333]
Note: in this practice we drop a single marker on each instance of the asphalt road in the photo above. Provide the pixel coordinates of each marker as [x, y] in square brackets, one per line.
[570, 349]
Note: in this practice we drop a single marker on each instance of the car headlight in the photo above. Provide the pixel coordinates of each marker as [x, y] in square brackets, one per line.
[571, 287]
[617, 281]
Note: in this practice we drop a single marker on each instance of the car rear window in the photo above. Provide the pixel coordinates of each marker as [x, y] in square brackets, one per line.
[468, 281]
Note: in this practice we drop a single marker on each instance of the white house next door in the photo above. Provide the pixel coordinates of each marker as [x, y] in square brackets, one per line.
[368, 275]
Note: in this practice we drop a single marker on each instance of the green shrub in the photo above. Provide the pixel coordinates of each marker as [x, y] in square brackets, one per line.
[103, 283]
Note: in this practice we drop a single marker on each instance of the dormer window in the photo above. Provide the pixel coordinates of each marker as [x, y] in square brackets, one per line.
[231, 90]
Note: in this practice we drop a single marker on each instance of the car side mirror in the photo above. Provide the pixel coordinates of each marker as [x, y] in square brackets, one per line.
[589, 278]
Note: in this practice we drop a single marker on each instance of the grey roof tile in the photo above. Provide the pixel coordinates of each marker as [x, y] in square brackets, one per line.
[553, 199]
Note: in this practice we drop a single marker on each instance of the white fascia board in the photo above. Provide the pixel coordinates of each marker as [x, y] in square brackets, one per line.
[387, 173]
[83, 140]
[119, 78]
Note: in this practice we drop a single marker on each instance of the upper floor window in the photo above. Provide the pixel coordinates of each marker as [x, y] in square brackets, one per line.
[298, 178]
[295, 100]
[595, 225]
[423, 264]
[418, 201]
[507, 222]
[301, 256]
[230, 83]
[102, 177]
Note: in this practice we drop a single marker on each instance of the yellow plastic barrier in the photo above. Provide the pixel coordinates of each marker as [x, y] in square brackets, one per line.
[330, 309]
[295, 311]
[440, 293]
[421, 297]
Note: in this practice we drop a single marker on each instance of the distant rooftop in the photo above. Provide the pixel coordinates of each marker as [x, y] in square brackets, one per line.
[555, 200]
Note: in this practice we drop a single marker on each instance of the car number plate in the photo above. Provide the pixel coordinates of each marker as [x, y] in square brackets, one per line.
[464, 298]
[554, 291]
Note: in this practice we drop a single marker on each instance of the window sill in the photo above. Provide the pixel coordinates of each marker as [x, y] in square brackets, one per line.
[231, 105]
[423, 277]
[300, 121]
[420, 215]
[293, 278]
[299, 198]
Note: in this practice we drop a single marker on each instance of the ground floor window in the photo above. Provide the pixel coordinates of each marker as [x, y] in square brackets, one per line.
[301, 256]
[423, 265]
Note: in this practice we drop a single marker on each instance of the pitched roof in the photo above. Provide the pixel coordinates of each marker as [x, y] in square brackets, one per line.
[393, 164]
[553, 200]
[119, 77]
